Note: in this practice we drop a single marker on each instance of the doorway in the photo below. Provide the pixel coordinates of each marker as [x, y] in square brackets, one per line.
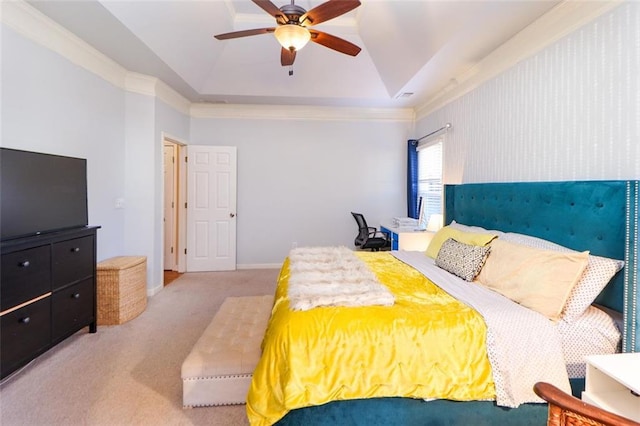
[174, 210]
[171, 276]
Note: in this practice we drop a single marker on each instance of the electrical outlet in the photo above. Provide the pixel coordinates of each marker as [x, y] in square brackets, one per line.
[119, 203]
[294, 245]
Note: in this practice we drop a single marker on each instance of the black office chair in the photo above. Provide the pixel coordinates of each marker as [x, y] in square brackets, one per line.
[369, 237]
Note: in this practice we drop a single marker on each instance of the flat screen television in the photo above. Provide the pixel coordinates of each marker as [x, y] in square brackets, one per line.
[41, 193]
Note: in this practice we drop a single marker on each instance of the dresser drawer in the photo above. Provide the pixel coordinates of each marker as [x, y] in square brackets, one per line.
[73, 308]
[23, 333]
[25, 274]
[73, 260]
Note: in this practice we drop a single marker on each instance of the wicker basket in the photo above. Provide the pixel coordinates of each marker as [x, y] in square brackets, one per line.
[122, 289]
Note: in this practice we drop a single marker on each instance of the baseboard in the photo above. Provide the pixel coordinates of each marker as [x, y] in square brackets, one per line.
[155, 290]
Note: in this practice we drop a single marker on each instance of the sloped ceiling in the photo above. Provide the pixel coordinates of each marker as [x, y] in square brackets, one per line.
[411, 49]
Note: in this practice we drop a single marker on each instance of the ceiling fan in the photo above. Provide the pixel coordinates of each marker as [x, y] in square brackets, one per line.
[292, 31]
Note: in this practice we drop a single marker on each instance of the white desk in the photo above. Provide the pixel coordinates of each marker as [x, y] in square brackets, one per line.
[612, 382]
[407, 238]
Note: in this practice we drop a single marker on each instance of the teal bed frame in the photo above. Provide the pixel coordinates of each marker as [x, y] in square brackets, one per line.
[600, 216]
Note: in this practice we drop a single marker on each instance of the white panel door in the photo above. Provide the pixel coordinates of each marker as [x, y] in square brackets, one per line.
[211, 208]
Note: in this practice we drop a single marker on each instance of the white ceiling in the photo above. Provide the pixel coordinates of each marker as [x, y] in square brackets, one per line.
[408, 46]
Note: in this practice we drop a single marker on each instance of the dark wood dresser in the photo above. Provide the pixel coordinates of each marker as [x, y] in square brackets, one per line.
[47, 293]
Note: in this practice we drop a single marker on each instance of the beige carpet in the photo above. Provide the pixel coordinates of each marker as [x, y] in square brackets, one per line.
[130, 374]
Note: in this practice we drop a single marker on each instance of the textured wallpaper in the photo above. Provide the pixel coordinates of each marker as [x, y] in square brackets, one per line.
[570, 112]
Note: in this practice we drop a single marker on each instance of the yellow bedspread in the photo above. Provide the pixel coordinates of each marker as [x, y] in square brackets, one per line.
[427, 345]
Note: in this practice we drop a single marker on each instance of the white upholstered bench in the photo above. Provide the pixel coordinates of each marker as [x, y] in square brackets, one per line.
[219, 368]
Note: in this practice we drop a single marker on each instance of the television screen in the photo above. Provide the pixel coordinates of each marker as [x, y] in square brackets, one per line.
[41, 193]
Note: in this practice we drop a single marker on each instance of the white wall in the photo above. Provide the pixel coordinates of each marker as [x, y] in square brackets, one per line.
[51, 105]
[146, 120]
[139, 189]
[299, 179]
[570, 112]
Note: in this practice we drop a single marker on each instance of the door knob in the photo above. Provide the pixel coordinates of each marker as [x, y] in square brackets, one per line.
[232, 215]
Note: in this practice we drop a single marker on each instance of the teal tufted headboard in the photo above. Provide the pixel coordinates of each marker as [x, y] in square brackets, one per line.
[599, 216]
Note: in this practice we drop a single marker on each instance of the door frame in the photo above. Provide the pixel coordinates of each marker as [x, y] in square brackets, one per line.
[170, 216]
[181, 211]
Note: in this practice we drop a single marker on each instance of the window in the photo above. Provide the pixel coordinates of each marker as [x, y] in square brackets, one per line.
[430, 176]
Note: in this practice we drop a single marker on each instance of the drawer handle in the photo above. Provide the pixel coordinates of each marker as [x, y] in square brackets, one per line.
[25, 320]
[75, 296]
[24, 264]
[75, 249]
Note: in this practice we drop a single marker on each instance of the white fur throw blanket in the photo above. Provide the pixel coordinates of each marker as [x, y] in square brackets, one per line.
[332, 276]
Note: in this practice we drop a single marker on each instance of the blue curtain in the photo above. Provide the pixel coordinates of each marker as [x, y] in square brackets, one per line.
[412, 178]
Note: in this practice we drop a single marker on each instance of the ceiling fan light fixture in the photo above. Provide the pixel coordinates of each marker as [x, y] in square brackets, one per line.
[292, 36]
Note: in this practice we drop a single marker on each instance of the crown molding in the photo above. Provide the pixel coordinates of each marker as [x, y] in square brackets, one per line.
[293, 112]
[172, 98]
[141, 84]
[152, 86]
[37, 27]
[559, 22]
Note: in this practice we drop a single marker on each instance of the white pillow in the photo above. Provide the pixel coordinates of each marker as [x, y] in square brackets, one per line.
[595, 277]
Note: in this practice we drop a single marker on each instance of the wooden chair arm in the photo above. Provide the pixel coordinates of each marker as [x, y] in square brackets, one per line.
[568, 410]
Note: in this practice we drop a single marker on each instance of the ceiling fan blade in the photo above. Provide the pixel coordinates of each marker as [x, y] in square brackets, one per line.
[335, 43]
[244, 33]
[287, 57]
[270, 8]
[327, 10]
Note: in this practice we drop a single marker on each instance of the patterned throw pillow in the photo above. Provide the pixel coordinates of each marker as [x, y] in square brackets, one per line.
[461, 259]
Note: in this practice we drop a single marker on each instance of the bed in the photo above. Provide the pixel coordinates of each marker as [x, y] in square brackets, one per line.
[597, 216]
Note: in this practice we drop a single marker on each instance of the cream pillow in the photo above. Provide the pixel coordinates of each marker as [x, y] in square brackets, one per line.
[539, 279]
[596, 276]
[463, 237]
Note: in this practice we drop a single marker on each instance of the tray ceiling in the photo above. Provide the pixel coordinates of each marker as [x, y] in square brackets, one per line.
[411, 49]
